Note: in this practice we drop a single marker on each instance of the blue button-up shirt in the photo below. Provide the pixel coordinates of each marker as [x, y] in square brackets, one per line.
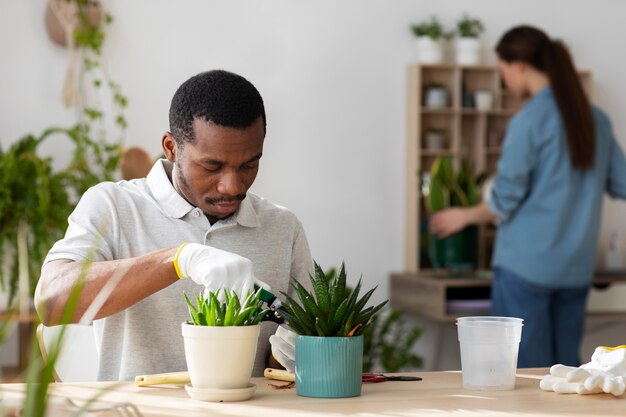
[550, 212]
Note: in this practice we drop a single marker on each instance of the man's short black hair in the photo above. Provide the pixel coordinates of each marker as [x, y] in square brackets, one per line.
[217, 96]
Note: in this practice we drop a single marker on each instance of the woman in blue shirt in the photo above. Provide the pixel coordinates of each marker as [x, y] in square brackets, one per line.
[559, 157]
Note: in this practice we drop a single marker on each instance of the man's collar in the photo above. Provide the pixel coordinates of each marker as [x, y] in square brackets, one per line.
[164, 192]
[246, 215]
[176, 206]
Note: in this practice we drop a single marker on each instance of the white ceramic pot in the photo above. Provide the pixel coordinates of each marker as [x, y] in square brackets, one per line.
[483, 99]
[220, 357]
[434, 139]
[429, 51]
[436, 97]
[467, 51]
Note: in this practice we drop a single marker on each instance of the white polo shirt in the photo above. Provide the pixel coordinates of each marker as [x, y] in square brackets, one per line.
[131, 218]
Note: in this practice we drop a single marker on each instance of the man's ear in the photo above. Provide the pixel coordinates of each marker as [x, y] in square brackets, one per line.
[169, 146]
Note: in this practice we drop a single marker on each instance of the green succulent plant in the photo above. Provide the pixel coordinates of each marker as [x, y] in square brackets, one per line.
[210, 311]
[332, 310]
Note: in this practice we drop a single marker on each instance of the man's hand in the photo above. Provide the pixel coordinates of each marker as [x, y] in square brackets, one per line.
[284, 347]
[215, 269]
[605, 373]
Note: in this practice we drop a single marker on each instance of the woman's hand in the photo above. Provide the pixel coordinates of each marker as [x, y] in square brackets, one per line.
[447, 222]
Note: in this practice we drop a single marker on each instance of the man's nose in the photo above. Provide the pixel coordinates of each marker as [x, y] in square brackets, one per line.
[231, 183]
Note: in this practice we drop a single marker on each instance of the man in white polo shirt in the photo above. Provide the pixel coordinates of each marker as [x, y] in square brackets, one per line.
[191, 217]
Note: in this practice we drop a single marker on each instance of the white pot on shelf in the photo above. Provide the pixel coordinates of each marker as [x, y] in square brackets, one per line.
[483, 99]
[467, 51]
[429, 51]
[434, 139]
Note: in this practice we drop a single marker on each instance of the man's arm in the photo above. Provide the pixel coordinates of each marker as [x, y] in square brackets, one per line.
[141, 276]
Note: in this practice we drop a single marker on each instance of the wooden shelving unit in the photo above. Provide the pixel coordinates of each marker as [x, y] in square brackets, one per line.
[469, 133]
[441, 296]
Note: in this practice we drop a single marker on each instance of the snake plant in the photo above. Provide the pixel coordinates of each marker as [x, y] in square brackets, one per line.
[331, 309]
[448, 188]
[210, 311]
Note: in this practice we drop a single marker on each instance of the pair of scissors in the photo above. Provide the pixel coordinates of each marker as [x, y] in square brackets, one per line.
[374, 377]
[273, 304]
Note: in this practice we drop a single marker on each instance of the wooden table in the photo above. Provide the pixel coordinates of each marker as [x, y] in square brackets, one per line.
[438, 394]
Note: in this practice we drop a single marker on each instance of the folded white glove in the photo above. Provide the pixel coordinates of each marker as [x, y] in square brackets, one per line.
[283, 344]
[215, 269]
[605, 373]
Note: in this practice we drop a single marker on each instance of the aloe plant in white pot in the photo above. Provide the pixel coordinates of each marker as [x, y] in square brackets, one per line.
[329, 344]
[220, 344]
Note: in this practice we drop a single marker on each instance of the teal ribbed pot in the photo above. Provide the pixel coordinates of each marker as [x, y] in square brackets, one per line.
[329, 367]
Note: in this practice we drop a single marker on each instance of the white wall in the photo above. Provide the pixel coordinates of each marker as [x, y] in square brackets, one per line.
[332, 74]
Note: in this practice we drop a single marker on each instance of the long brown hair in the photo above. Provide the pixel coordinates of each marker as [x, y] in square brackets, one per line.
[534, 47]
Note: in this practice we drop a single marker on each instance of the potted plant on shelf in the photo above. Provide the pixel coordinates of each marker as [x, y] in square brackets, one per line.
[467, 43]
[429, 40]
[449, 188]
[220, 345]
[329, 323]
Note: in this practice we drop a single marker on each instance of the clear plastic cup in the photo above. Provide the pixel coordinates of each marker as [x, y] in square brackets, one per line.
[489, 347]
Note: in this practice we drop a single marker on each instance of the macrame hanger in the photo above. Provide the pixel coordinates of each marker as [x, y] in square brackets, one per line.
[66, 12]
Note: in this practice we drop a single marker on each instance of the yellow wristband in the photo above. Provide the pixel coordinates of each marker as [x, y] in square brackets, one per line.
[612, 348]
[176, 268]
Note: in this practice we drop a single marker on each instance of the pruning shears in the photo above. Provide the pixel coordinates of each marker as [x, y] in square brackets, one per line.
[274, 305]
[376, 377]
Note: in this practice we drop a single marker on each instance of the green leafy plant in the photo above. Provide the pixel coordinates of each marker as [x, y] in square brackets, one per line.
[449, 188]
[36, 200]
[332, 309]
[210, 311]
[431, 28]
[40, 372]
[468, 27]
[388, 343]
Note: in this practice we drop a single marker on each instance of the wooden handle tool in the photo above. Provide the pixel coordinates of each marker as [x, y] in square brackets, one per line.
[279, 375]
[158, 379]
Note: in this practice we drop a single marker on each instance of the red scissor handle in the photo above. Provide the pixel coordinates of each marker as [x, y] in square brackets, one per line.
[373, 377]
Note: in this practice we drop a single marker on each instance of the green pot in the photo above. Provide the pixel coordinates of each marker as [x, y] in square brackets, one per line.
[329, 367]
[458, 251]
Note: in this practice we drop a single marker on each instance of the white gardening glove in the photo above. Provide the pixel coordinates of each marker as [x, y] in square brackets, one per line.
[605, 373]
[215, 269]
[557, 381]
[284, 347]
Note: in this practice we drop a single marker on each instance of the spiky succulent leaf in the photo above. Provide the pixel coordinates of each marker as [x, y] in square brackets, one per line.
[304, 321]
[340, 315]
[330, 309]
[320, 287]
[361, 303]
